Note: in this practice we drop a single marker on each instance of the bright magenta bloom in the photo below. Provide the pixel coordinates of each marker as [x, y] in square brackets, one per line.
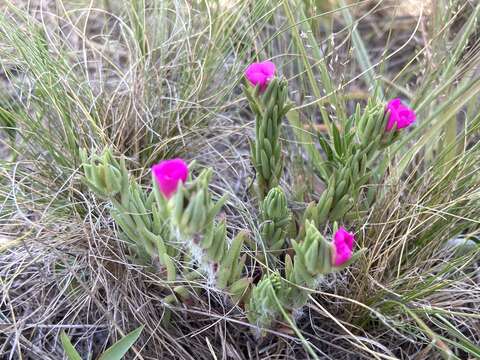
[399, 114]
[343, 242]
[260, 73]
[168, 174]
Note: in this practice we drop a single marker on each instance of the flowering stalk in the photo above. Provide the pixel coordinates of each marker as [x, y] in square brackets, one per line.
[269, 103]
[350, 155]
[142, 222]
[176, 212]
[314, 257]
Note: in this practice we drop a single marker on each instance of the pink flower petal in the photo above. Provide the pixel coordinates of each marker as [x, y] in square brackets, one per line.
[394, 104]
[254, 68]
[256, 78]
[342, 254]
[168, 174]
[399, 114]
[268, 68]
[343, 242]
[260, 74]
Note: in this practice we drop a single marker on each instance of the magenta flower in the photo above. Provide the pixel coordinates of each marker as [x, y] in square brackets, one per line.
[343, 243]
[168, 174]
[260, 73]
[399, 114]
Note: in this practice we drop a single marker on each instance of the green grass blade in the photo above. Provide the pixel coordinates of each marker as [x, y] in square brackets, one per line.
[303, 54]
[361, 51]
[70, 351]
[306, 140]
[463, 342]
[436, 339]
[120, 348]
